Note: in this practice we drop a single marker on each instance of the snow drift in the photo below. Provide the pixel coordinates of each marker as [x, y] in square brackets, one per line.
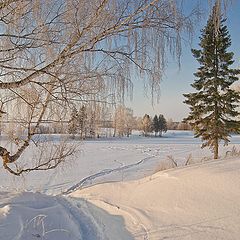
[197, 202]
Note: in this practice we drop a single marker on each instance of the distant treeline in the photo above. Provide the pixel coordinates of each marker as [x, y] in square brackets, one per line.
[171, 125]
[88, 122]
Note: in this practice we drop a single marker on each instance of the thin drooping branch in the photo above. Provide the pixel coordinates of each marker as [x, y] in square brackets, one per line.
[76, 46]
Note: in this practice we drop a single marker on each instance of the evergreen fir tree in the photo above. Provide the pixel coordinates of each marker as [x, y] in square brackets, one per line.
[155, 125]
[162, 124]
[213, 104]
[82, 117]
[73, 123]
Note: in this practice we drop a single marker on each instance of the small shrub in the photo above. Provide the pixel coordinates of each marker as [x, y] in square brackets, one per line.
[189, 160]
[164, 165]
[172, 160]
[232, 153]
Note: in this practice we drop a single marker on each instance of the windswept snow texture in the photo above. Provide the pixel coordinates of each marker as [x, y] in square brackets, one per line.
[200, 202]
[29, 216]
[107, 160]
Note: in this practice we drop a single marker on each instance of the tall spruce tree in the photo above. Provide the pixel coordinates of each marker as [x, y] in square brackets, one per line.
[213, 105]
[73, 122]
[82, 117]
[162, 124]
[155, 125]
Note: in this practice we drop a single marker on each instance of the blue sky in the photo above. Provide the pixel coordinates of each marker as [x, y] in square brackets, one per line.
[177, 81]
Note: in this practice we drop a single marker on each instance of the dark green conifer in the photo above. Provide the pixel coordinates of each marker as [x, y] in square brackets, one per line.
[213, 104]
[162, 124]
[73, 122]
[155, 124]
[82, 117]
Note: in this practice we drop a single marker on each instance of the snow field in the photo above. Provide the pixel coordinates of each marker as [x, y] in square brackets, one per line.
[200, 201]
[195, 202]
[104, 160]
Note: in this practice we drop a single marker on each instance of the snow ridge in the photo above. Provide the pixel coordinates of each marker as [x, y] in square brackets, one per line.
[85, 181]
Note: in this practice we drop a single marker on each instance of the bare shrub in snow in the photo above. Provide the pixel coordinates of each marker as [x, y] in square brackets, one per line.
[168, 163]
[172, 160]
[163, 165]
[189, 160]
[233, 152]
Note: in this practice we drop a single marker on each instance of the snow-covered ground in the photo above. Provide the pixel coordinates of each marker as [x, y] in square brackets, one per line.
[196, 202]
[201, 201]
[114, 159]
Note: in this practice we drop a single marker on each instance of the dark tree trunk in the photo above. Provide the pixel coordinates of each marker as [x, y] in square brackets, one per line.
[216, 149]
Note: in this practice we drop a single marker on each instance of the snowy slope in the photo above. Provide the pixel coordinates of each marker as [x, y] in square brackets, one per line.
[29, 216]
[201, 201]
[196, 202]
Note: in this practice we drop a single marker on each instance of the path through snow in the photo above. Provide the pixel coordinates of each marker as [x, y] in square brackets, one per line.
[29, 216]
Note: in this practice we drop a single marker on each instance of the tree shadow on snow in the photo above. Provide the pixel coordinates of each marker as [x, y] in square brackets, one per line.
[113, 227]
[28, 216]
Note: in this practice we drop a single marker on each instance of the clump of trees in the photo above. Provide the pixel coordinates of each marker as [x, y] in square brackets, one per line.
[213, 105]
[162, 125]
[158, 125]
[123, 121]
[171, 125]
[93, 121]
[78, 122]
[88, 121]
[146, 125]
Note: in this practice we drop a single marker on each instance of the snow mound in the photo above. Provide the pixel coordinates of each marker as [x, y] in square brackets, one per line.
[196, 202]
[4, 210]
[30, 216]
[200, 202]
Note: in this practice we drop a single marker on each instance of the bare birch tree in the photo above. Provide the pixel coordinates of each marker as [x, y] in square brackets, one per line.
[57, 52]
[123, 121]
